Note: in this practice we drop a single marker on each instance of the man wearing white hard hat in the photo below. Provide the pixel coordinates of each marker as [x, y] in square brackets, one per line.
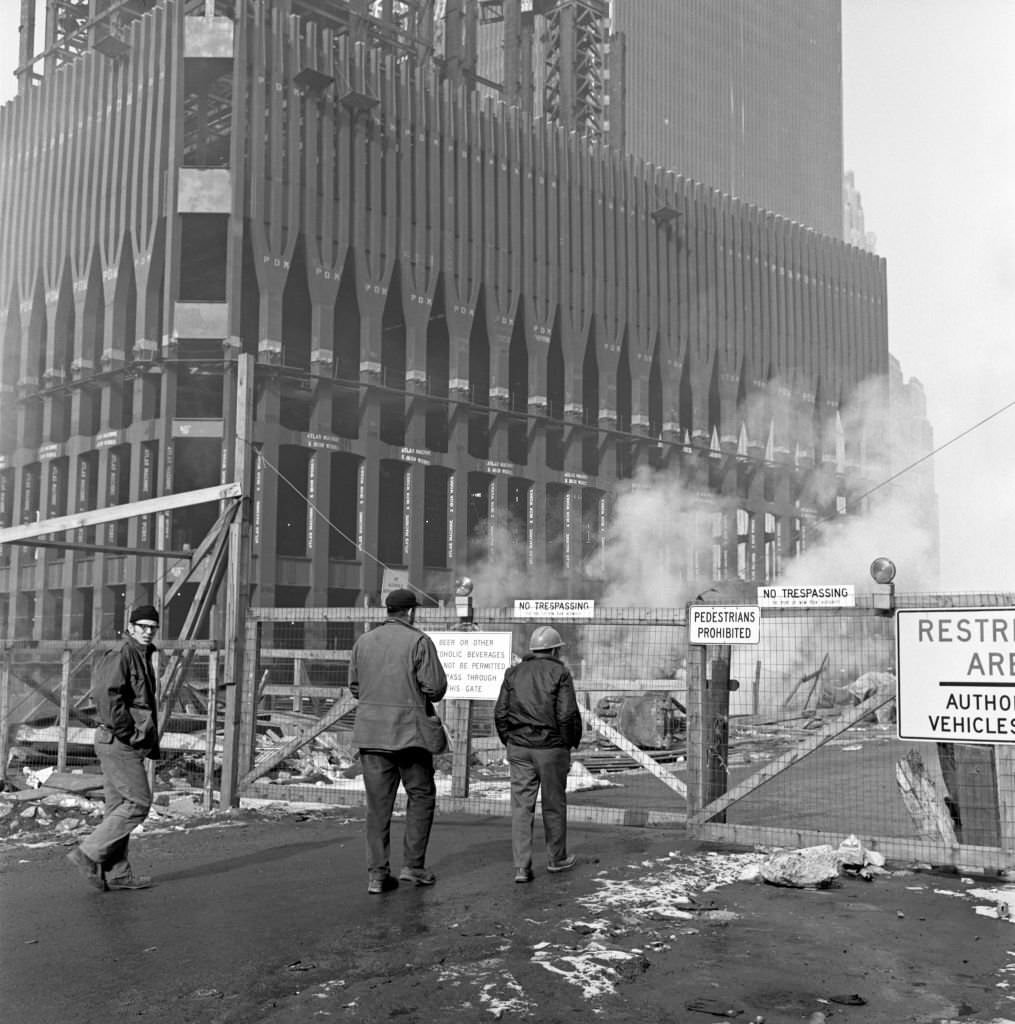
[537, 719]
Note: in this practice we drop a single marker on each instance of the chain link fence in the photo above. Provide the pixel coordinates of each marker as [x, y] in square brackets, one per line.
[788, 742]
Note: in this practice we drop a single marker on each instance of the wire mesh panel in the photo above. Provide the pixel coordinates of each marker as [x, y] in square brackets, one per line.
[805, 747]
[629, 669]
[47, 715]
[813, 753]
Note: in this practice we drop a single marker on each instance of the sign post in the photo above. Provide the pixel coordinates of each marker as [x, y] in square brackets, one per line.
[714, 629]
[475, 663]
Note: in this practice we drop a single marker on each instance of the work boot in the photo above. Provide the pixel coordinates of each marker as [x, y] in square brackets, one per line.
[378, 886]
[562, 865]
[91, 870]
[130, 881]
[418, 876]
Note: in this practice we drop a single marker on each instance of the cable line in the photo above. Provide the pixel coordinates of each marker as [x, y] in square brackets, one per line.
[923, 458]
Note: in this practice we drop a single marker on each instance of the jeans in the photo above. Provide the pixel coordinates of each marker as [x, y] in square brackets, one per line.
[382, 772]
[128, 800]
[534, 769]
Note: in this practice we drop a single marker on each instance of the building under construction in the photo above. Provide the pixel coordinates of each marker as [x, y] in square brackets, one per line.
[433, 301]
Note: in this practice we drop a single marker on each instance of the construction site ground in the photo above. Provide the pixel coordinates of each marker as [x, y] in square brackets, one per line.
[262, 915]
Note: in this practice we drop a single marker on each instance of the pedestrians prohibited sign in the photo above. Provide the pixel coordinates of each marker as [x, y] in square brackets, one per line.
[474, 662]
[715, 624]
[957, 675]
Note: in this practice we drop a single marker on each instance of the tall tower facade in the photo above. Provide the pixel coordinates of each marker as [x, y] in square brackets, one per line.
[463, 325]
[745, 95]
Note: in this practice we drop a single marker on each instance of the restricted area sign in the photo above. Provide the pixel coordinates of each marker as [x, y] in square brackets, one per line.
[718, 624]
[956, 675]
[474, 663]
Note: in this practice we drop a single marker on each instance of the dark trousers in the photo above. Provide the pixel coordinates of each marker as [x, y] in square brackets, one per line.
[535, 769]
[128, 800]
[382, 772]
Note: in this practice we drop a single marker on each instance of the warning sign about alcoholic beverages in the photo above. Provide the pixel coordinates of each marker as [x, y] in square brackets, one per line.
[474, 663]
[717, 624]
[957, 675]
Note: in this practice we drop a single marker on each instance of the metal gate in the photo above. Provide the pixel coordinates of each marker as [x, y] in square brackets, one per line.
[792, 743]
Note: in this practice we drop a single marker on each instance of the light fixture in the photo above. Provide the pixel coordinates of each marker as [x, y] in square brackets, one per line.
[665, 216]
[357, 102]
[882, 570]
[313, 81]
[463, 599]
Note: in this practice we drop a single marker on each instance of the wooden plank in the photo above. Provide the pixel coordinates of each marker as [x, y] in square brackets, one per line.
[790, 758]
[81, 737]
[79, 520]
[310, 654]
[211, 714]
[643, 759]
[288, 690]
[65, 709]
[213, 538]
[459, 723]
[303, 736]
[925, 805]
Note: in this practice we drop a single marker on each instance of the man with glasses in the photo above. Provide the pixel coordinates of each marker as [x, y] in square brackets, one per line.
[123, 688]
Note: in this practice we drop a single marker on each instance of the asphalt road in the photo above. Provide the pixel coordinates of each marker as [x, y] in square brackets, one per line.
[258, 920]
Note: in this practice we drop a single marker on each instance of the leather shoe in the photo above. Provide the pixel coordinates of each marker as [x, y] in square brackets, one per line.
[418, 876]
[129, 882]
[382, 885]
[562, 865]
[91, 870]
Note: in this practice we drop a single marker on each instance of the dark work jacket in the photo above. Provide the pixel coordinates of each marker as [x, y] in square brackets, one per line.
[123, 688]
[396, 675]
[537, 705]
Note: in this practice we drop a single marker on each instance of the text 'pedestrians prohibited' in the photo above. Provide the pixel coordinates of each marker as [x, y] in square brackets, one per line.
[957, 675]
[716, 624]
[474, 662]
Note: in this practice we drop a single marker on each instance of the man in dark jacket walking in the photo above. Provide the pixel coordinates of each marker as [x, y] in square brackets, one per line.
[396, 675]
[537, 718]
[123, 688]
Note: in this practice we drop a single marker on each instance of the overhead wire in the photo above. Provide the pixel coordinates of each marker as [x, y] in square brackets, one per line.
[922, 459]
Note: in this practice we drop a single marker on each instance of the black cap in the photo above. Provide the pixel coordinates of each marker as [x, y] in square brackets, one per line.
[400, 600]
[145, 613]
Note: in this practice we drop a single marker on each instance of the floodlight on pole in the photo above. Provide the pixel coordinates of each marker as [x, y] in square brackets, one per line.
[882, 571]
[463, 598]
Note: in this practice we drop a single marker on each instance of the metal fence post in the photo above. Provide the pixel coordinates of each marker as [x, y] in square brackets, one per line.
[5, 711]
[708, 713]
[211, 713]
[240, 719]
[61, 747]
[695, 740]
[460, 727]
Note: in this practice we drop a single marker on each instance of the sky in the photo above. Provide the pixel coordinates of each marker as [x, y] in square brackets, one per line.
[929, 128]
